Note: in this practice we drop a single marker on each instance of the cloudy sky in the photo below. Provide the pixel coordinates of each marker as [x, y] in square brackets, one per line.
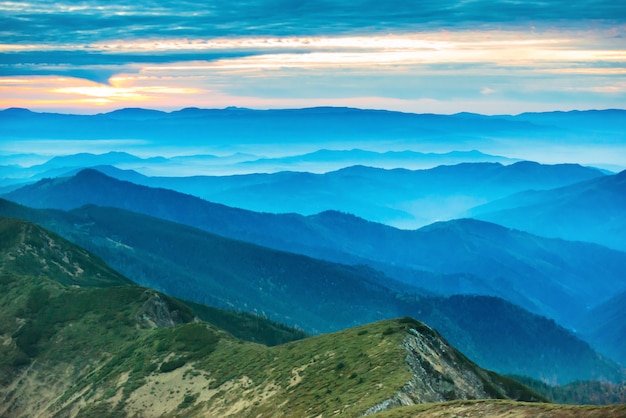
[439, 56]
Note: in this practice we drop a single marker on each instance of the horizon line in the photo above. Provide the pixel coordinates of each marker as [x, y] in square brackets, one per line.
[171, 111]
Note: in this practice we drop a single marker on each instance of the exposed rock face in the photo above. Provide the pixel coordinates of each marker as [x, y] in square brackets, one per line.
[156, 313]
[440, 373]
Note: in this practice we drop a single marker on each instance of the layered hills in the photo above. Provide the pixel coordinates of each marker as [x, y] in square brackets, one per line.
[318, 296]
[26, 168]
[80, 338]
[316, 125]
[605, 326]
[325, 160]
[209, 269]
[593, 210]
[397, 197]
[461, 256]
[81, 349]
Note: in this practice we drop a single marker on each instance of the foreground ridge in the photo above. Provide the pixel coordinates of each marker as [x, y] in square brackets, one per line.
[488, 408]
[79, 340]
[441, 373]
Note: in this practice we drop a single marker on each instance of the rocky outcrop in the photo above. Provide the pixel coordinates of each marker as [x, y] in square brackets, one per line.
[440, 373]
[156, 313]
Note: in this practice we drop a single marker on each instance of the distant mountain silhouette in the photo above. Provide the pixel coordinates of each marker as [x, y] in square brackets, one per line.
[323, 125]
[399, 197]
[593, 210]
[325, 160]
[605, 326]
[62, 165]
[85, 160]
[135, 114]
[598, 120]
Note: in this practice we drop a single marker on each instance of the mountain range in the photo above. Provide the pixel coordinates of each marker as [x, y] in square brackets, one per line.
[231, 130]
[461, 256]
[288, 126]
[144, 352]
[335, 122]
[592, 210]
[82, 341]
[403, 198]
[235, 262]
[317, 296]
[398, 197]
[20, 168]
[325, 160]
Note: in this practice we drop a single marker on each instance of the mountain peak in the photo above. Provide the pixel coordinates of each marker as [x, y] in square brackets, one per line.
[135, 113]
[441, 373]
[17, 111]
[91, 173]
[465, 224]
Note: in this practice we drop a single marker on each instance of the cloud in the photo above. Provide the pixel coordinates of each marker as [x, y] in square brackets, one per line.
[65, 22]
[262, 52]
[95, 65]
[95, 40]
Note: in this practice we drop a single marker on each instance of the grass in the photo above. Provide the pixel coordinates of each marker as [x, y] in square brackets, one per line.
[496, 408]
[100, 333]
[346, 371]
[92, 343]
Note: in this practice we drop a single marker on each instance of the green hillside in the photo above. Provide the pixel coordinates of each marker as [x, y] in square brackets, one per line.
[29, 250]
[121, 350]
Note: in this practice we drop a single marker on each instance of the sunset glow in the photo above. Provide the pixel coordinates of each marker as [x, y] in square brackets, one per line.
[501, 66]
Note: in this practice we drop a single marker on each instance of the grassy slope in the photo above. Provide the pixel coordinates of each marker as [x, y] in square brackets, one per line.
[34, 251]
[67, 322]
[94, 345]
[500, 408]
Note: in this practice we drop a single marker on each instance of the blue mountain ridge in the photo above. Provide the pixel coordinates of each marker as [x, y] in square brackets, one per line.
[297, 126]
[592, 210]
[457, 256]
[194, 264]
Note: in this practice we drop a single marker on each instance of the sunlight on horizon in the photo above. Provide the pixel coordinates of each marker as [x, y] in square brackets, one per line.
[276, 64]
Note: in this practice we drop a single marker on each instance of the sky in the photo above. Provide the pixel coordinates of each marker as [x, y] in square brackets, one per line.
[424, 56]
